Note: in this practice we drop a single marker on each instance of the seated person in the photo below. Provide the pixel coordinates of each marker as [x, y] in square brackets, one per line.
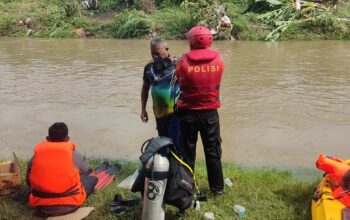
[58, 174]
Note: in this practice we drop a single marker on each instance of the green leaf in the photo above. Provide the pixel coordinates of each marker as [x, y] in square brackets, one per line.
[271, 2]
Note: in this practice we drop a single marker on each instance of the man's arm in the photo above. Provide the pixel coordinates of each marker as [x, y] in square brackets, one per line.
[144, 97]
[80, 163]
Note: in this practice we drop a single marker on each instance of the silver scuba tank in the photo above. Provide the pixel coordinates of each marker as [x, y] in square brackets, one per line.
[153, 205]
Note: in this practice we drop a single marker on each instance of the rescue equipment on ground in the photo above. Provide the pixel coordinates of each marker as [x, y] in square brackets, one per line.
[119, 205]
[324, 206]
[163, 179]
[106, 174]
[330, 200]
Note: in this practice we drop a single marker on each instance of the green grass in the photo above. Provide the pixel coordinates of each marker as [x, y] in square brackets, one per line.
[47, 18]
[266, 193]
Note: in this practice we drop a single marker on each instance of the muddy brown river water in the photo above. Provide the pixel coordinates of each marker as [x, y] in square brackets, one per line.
[282, 103]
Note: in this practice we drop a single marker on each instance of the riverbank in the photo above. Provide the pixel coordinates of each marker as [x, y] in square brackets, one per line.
[265, 193]
[251, 20]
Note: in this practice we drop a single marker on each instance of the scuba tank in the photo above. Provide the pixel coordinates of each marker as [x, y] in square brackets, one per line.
[154, 189]
[164, 179]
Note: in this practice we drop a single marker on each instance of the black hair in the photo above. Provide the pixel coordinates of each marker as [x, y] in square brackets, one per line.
[58, 132]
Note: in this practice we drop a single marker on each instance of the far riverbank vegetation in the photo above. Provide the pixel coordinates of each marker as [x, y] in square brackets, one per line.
[228, 19]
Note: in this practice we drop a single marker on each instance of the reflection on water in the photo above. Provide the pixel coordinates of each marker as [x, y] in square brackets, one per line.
[282, 103]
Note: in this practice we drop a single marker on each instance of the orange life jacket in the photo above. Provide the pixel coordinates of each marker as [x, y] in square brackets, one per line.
[53, 176]
[199, 74]
[334, 167]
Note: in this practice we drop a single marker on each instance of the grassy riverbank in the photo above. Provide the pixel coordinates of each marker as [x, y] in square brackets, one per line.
[251, 19]
[266, 194]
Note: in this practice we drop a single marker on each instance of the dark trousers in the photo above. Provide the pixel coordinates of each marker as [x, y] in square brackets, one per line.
[169, 127]
[206, 122]
[89, 183]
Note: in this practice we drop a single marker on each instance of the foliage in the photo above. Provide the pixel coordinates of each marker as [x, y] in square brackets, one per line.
[343, 9]
[310, 15]
[202, 11]
[148, 6]
[317, 29]
[251, 19]
[173, 23]
[243, 26]
[71, 7]
[168, 3]
[259, 6]
[132, 24]
[5, 24]
[209, 13]
[110, 5]
[58, 19]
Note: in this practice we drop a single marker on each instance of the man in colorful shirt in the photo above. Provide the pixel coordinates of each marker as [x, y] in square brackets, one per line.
[159, 76]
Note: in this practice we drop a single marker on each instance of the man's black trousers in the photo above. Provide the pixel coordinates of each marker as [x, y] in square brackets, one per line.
[206, 122]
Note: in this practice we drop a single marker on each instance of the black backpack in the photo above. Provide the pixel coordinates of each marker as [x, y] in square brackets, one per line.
[181, 185]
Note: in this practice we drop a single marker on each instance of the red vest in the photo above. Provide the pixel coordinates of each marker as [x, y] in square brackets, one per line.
[199, 73]
[53, 176]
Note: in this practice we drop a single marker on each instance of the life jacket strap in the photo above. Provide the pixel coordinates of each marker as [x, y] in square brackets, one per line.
[70, 192]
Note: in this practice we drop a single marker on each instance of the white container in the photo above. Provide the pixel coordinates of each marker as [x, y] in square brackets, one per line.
[240, 210]
[198, 205]
[228, 182]
[209, 216]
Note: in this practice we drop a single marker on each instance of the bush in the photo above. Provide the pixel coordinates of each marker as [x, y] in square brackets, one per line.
[110, 5]
[131, 24]
[325, 28]
[71, 7]
[6, 24]
[173, 23]
[262, 5]
[243, 29]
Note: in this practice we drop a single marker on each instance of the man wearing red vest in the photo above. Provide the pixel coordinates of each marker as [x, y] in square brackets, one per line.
[57, 175]
[199, 73]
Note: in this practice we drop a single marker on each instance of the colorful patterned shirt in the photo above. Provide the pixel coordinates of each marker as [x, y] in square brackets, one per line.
[165, 88]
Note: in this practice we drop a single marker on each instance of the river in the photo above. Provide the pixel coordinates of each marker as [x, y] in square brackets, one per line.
[283, 103]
